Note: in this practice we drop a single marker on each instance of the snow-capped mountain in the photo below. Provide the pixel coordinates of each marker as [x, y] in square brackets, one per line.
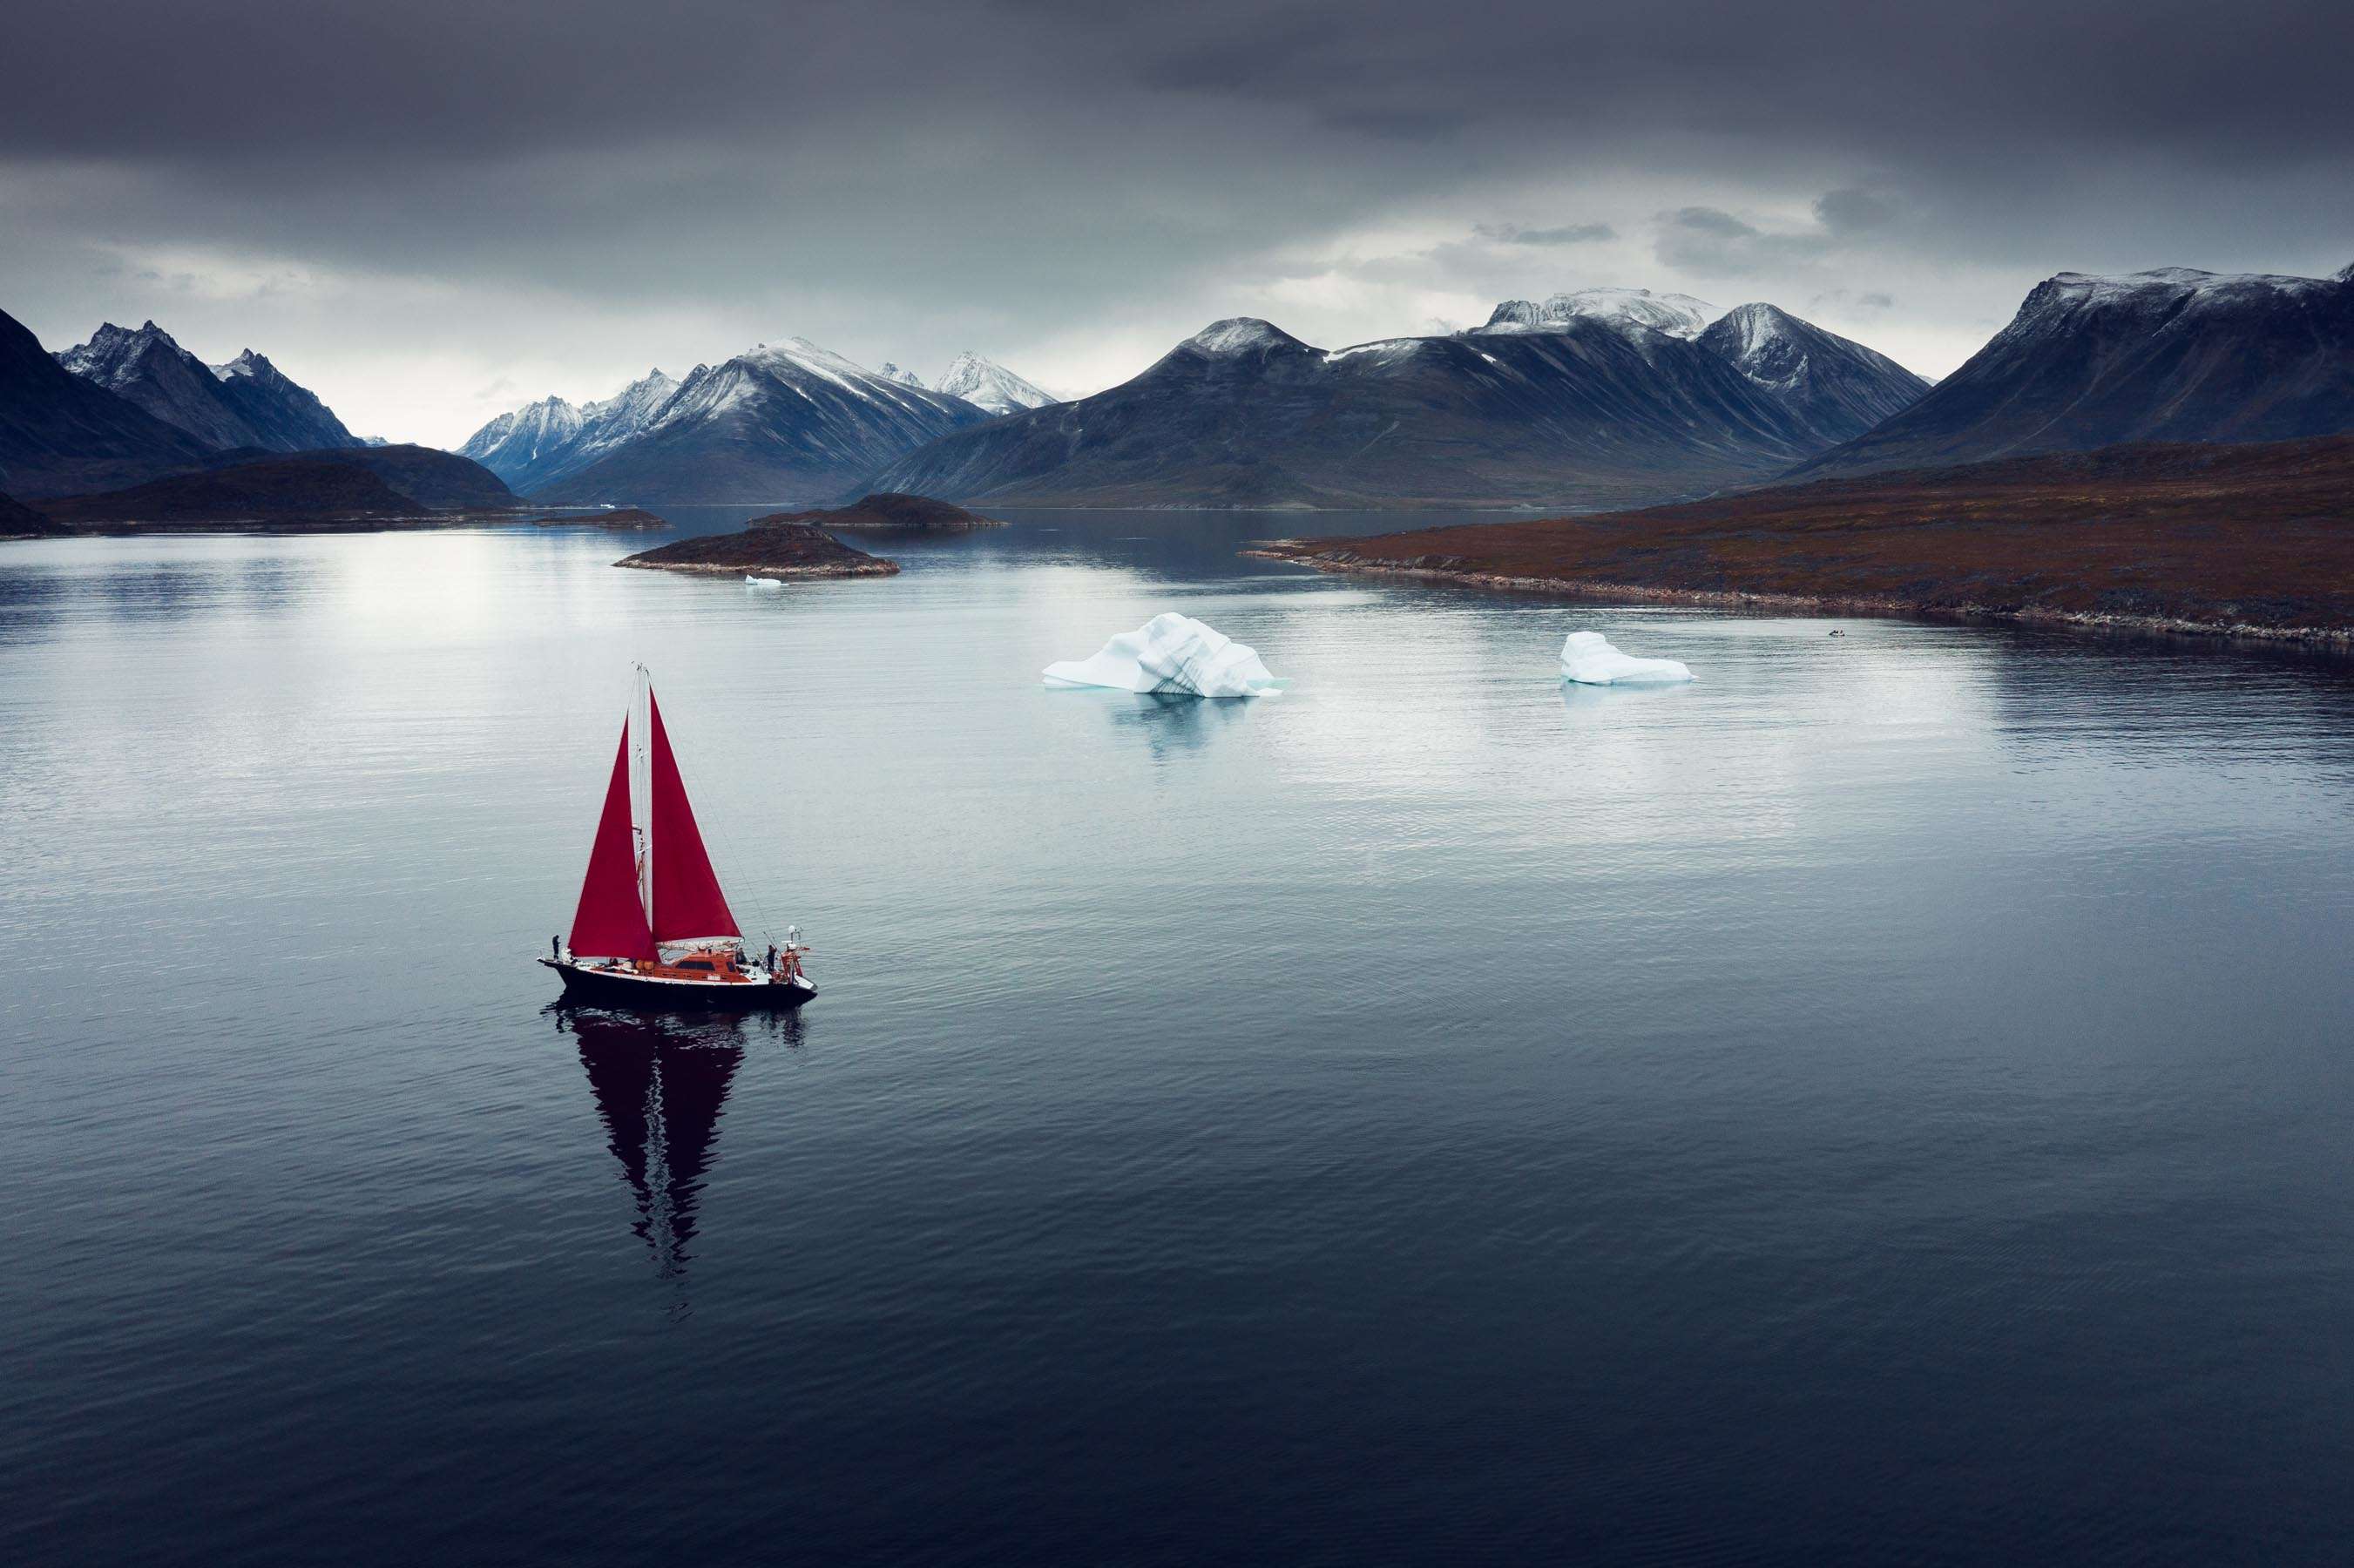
[521, 445]
[247, 402]
[148, 369]
[1678, 315]
[1584, 413]
[2168, 355]
[285, 416]
[782, 422]
[63, 435]
[1838, 386]
[541, 442]
[891, 372]
[991, 386]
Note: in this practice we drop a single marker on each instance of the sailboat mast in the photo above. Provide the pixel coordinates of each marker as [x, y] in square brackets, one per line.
[641, 785]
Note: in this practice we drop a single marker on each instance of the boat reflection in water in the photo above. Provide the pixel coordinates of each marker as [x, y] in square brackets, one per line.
[660, 1081]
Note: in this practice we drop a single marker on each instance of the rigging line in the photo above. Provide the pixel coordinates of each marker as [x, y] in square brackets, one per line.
[726, 848]
[759, 907]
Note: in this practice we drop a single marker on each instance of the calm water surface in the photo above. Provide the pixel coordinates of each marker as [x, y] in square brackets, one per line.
[1886, 1102]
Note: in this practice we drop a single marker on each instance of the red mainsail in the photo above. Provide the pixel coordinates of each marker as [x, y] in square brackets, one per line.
[610, 923]
[687, 900]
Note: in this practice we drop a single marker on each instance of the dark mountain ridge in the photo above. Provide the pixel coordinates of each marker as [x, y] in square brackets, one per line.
[285, 415]
[1580, 412]
[60, 434]
[2173, 354]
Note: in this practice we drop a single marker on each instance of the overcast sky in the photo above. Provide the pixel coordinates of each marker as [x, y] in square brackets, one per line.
[432, 211]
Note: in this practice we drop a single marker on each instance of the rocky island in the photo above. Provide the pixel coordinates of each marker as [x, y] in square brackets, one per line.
[891, 510]
[2254, 540]
[777, 545]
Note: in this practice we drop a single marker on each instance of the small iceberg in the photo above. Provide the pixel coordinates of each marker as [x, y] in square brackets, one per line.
[1589, 659]
[1171, 653]
[763, 582]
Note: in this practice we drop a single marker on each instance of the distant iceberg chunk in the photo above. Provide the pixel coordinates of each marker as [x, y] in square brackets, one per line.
[1589, 659]
[1171, 654]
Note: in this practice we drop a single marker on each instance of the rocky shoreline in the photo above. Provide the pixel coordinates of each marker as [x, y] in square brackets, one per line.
[1298, 552]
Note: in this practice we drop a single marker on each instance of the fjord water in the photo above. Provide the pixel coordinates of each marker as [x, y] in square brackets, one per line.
[1886, 1101]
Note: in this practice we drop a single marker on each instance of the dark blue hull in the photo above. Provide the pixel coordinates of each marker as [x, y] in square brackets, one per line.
[607, 988]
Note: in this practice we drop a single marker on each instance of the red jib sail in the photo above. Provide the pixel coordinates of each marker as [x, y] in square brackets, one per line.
[610, 923]
[687, 900]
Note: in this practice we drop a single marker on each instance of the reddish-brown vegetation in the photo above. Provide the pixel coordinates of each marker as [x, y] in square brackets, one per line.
[2248, 538]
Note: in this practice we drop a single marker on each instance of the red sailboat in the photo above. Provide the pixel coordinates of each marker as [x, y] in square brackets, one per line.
[652, 929]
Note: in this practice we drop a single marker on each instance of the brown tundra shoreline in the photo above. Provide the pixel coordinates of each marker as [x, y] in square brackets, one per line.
[2214, 541]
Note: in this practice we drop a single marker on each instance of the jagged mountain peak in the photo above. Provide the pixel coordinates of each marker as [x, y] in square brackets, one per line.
[890, 372]
[111, 346]
[1838, 386]
[988, 385]
[147, 366]
[247, 402]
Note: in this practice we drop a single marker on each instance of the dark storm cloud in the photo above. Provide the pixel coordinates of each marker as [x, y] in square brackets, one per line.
[271, 78]
[1567, 234]
[1000, 171]
[1853, 211]
[1705, 239]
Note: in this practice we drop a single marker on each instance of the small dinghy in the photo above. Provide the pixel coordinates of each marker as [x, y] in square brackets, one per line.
[652, 929]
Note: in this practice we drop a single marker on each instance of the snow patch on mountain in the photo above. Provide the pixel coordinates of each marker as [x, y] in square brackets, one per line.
[1763, 345]
[1240, 334]
[1679, 316]
[1387, 347]
[2164, 283]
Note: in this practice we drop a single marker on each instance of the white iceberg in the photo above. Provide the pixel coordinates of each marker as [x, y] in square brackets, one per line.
[1171, 654]
[750, 581]
[1589, 659]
